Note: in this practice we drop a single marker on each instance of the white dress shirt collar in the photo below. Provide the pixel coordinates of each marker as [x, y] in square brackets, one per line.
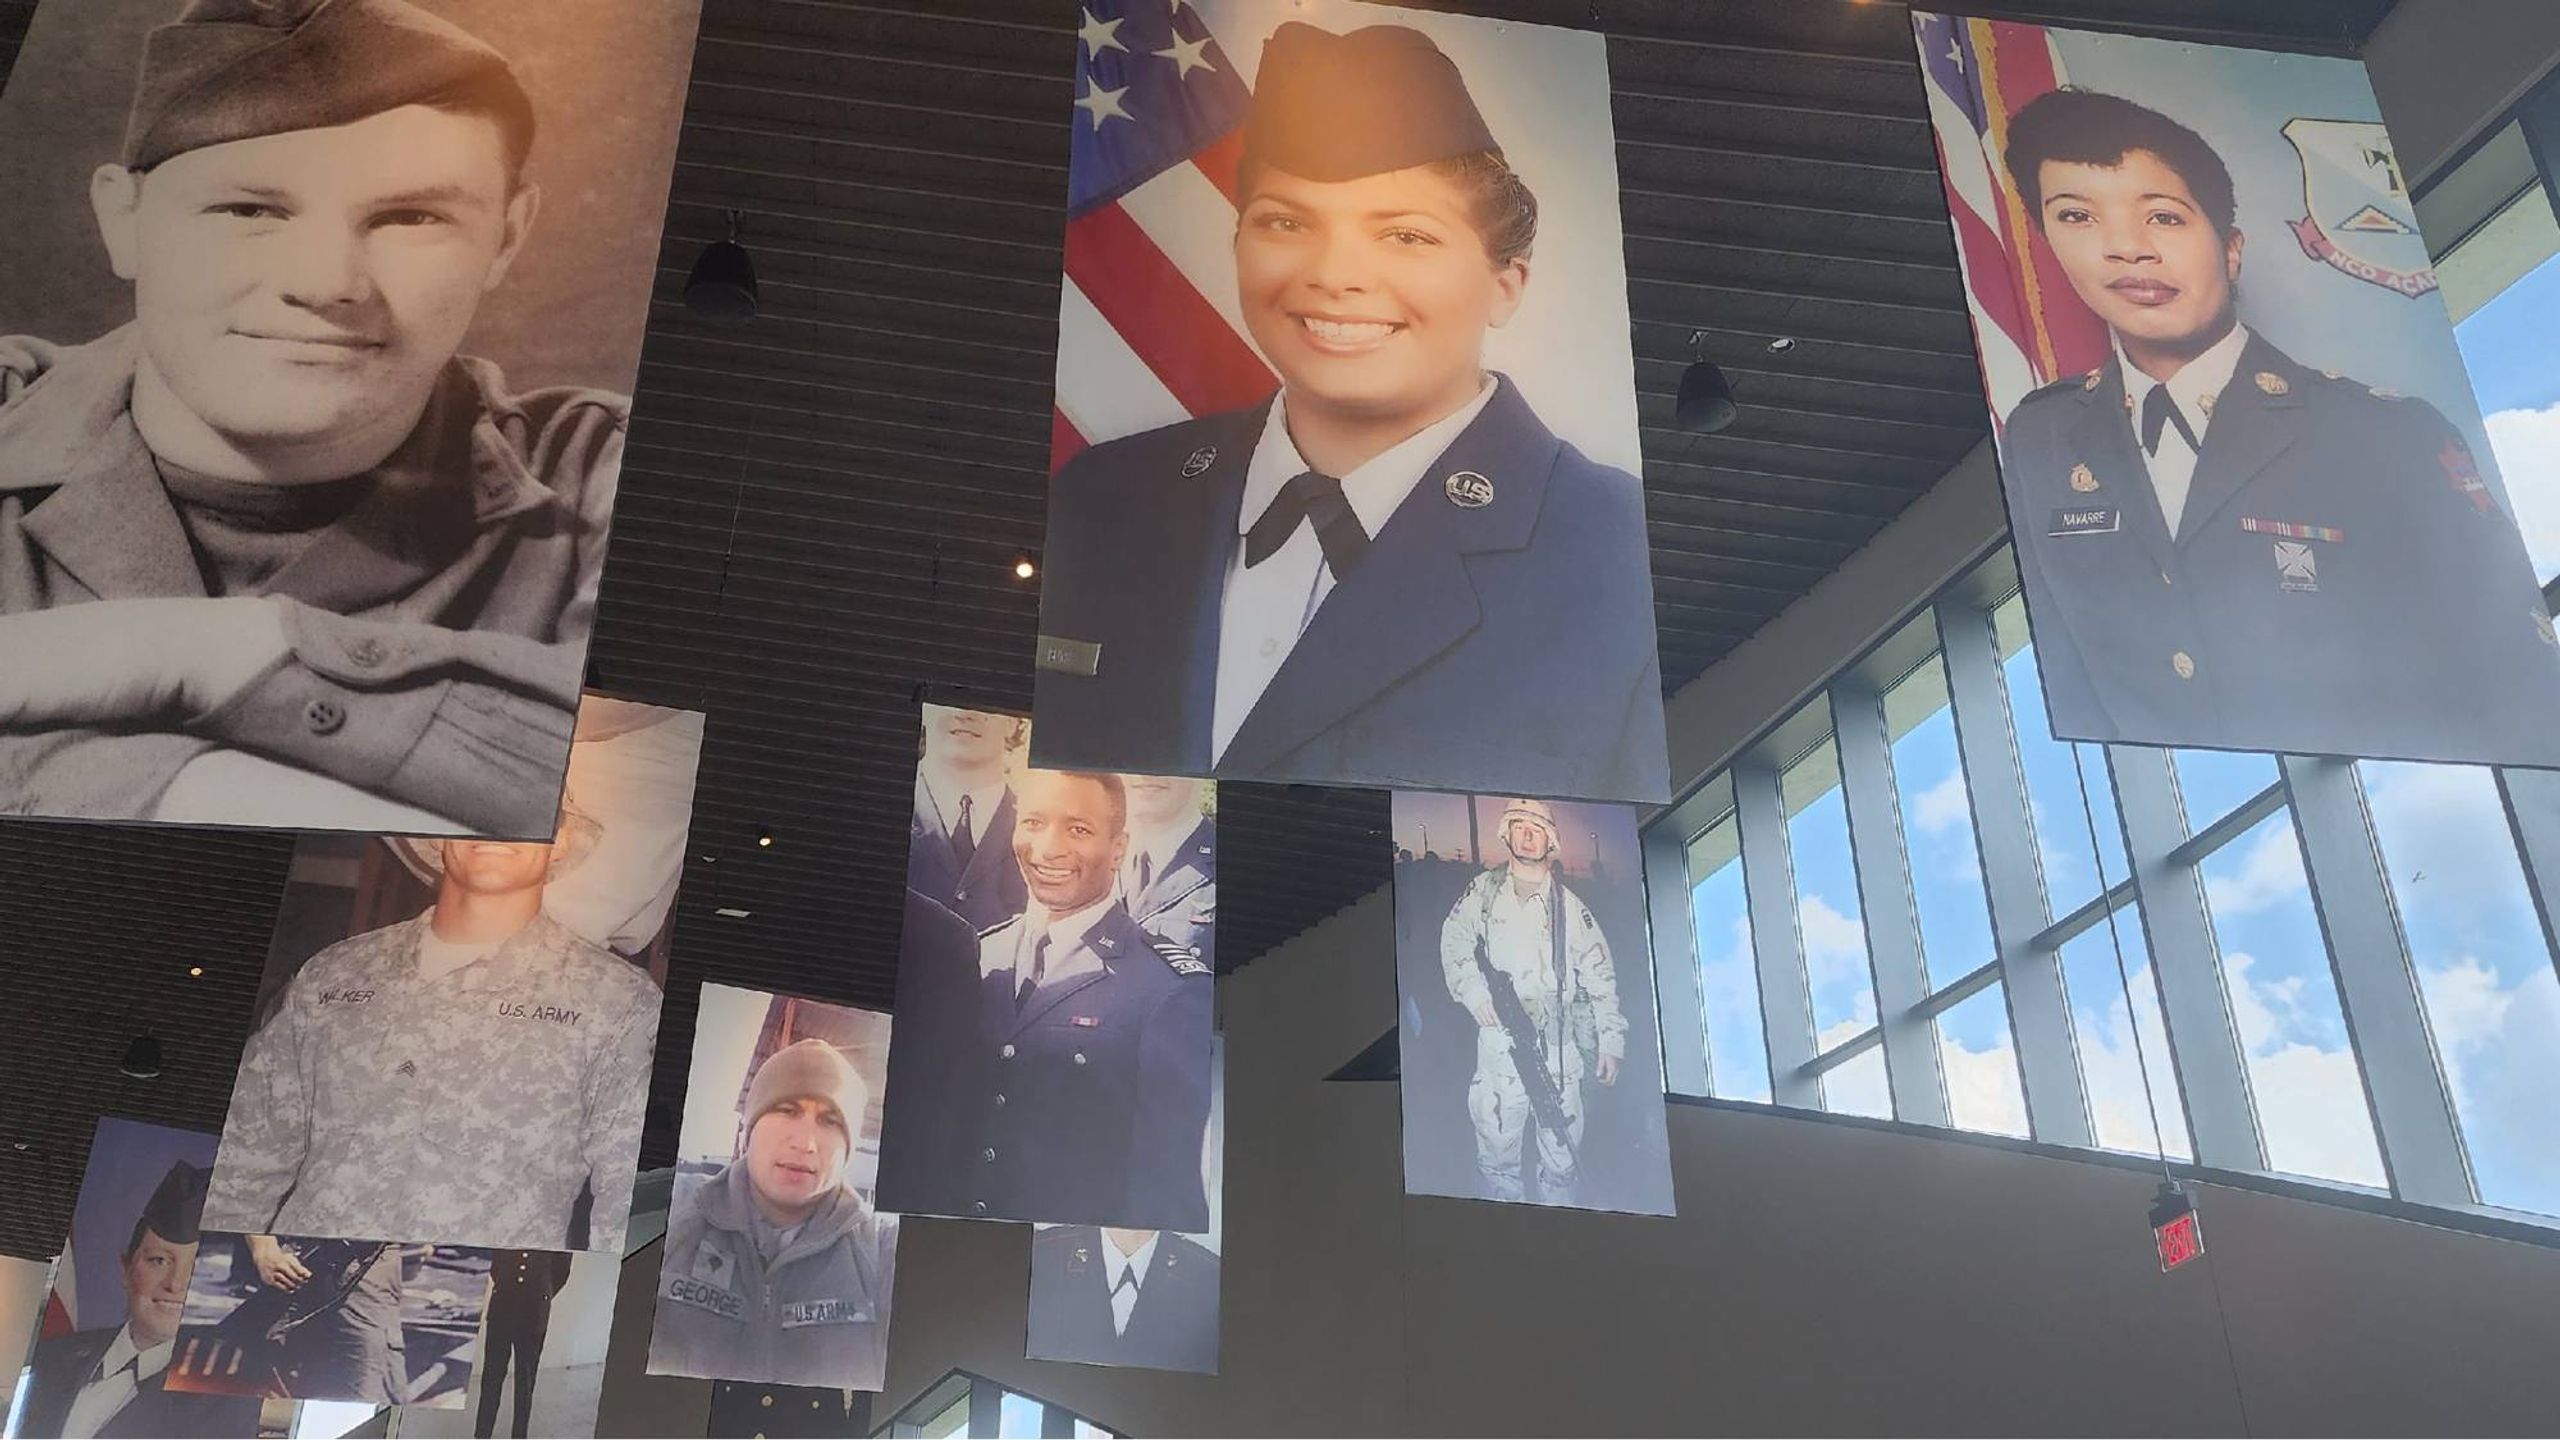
[1162, 848]
[1115, 1265]
[1069, 955]
[1376, 487]
[102, 1399]
[2204, 376]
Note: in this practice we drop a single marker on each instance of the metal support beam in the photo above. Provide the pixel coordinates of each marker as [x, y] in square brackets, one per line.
[2195, 1004]
[1777, 948]
[2533, 812]
[2031, 980]
[1884, 892]
[2377, 987]
[1679, 993]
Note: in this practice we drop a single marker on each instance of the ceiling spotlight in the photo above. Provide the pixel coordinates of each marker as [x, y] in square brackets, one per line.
[142, 1057]
[1706, 397]
[1782, 344]
[1025, 566]
[722, 286]
[732, 912]
[195, 972]
[764, 842]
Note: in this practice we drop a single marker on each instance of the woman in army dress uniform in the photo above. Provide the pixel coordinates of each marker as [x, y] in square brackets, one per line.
[2221, 546]
[1393, 573]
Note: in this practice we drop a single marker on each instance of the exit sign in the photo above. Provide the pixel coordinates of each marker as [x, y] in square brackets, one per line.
[2174, 1230]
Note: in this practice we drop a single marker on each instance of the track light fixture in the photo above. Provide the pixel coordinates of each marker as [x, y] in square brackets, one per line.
[722, 286]
[1706, 397]
[1026, 566]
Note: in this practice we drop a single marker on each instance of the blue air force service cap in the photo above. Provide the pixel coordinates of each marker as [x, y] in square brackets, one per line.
[1331, 107]
[228, 70]
[176, 1208]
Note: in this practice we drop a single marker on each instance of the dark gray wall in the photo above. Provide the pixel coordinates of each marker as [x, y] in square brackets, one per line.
[1820, 1279]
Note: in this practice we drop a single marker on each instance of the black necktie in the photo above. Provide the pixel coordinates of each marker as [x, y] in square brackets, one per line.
[1310, 497]
[964, 843]
[1128, 1281]
[2158, 410]
[1031, 982]
[1146, 875]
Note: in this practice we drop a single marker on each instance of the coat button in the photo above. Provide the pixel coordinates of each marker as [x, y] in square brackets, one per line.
[960, 893]
[978, 1207]
[999, 1101]
[2184, 664]
[1079, 1057]
[767, 1401]
[988, 1155]
[1006, 1053]
[324, 717]
[368, 653]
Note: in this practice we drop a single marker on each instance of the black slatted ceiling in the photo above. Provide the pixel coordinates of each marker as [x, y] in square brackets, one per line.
[821, 509]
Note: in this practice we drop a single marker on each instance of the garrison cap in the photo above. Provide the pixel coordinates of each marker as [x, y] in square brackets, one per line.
[176, 1209]
[1331, 107]
[228, 70]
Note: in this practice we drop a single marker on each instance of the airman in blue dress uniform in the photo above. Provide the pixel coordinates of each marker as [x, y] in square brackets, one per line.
[1392, 573]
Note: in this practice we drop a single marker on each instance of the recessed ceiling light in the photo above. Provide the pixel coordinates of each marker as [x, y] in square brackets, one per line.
[1782, 344]
[764, 842]
[195, 972]
[1025, 566]
[732, 912]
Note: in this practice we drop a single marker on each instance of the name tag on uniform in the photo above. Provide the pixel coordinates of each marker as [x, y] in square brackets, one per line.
[685, 1290]
[2094, 521]
[1069, 657]
[552, 1014]
[824, 1312]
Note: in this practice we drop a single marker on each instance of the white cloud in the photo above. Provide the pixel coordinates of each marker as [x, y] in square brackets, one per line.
[2312, 1117]
[1835, 945]
[1860, 1086]
[2501, 1050]
[2527, 446]
[1983, 1091]
[2114, 1076]
[1942, 806]
[2444, 838]
[2267, 872]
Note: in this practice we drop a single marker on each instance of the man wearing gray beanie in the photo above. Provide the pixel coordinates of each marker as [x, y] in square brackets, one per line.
[276, 552]
[776, 1270]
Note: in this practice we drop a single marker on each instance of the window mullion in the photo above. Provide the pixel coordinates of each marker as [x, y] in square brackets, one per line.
[2377, 987]
[2532, 799]
[1911, 1062]
[2195, 1005]
[1679, 993]
[2039, 1019]
[1777, 947]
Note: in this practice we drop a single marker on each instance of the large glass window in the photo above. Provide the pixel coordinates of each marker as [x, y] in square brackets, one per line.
[1828, 917]
[1937, 826]
[1859, 1086]
[1728, 975]
[2506, 345]
[2062, 825]
[2123, 1047]
[2312, 1114]
[2492, 997]
[2213, 783]
[1981, 1066]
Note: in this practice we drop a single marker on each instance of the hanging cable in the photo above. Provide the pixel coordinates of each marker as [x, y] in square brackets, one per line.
[2124, 977]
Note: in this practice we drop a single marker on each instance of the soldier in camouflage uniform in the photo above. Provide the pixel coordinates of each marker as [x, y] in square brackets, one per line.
[459, 1078]
[1529, 926]
[275, 553]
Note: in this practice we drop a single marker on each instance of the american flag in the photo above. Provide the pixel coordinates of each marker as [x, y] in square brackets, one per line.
[1148, 329]
[2028, 327]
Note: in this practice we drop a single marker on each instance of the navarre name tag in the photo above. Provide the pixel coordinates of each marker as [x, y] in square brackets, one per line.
[1069, 657]
[2095, 520]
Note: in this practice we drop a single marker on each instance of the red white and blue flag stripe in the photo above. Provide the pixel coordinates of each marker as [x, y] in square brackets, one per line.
[1148, 329]
[2029, 329]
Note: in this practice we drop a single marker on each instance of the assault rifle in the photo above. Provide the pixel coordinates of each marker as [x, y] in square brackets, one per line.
[1546, 1100]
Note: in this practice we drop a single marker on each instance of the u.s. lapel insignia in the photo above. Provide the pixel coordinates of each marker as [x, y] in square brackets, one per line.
[2272, 383]
[2083, 479]
[1468, 490]
[2090, 380]
[2296, 567]
[2542, 627]
[2205, 404]
[2385, 392]
[1200, 460]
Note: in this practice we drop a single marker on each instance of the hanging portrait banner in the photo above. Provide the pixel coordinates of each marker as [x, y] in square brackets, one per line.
[1528, 1040]
[500, 998]
[120, 1289]
[1343, 500]
[781, 1136]
[542, 1348]
[318, 329]
[293, 1317]
[1054, 988]
[1142, 1298]
[2249, 489]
